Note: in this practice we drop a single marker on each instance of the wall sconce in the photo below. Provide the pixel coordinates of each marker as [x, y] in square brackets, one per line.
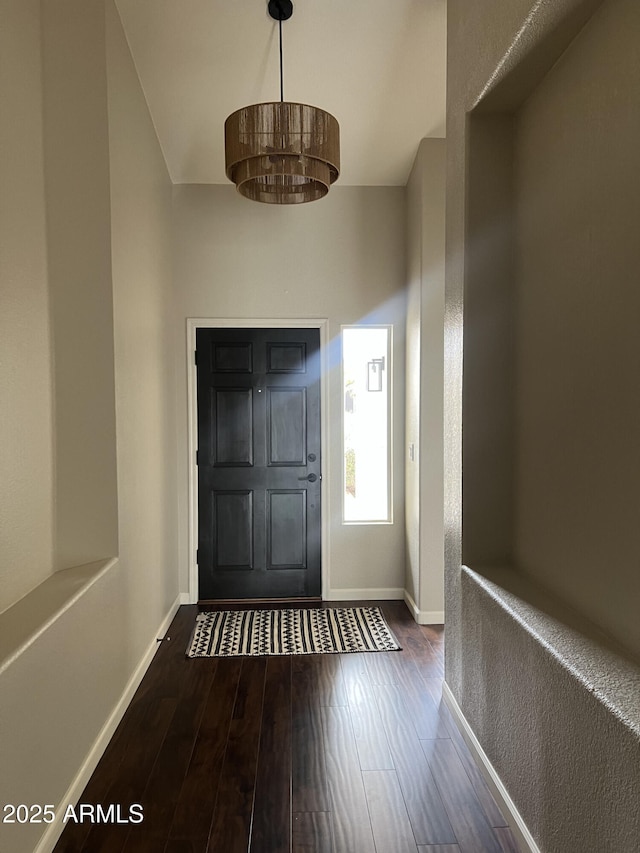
[374, 374]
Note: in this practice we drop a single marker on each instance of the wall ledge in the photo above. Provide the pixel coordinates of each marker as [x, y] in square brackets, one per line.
[593, 659]
[27, 619]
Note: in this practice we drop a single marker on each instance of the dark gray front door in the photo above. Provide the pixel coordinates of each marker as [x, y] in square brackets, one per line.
[258, 463]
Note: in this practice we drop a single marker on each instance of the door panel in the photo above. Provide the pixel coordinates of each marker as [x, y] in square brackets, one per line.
[233, 529]
[287, 529]
[232, 419]
[232, 358]
[287, 426]
[286, 358]
[259, 468]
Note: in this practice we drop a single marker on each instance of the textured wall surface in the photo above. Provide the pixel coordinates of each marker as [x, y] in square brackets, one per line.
[541, 206]
[556, 712]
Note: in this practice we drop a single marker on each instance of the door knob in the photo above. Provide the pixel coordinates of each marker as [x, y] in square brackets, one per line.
[310, 477]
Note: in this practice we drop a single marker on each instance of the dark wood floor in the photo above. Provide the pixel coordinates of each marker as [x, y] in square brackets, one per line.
[350, 753]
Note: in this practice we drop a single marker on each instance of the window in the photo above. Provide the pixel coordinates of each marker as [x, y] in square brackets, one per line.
[366, 371]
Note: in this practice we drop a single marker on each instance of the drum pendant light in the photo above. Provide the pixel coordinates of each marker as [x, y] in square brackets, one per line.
[280, 152]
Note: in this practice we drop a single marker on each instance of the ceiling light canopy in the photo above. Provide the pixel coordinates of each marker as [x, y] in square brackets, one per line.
[281, 152]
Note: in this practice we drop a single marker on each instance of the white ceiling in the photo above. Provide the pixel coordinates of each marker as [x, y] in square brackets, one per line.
[377, 65]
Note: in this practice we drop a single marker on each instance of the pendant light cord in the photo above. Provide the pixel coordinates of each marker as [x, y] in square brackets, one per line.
[281, 77]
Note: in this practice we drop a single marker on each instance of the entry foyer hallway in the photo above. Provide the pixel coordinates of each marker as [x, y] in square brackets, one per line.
[351, 753]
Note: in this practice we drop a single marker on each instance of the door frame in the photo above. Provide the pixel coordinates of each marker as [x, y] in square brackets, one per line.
[193, 323]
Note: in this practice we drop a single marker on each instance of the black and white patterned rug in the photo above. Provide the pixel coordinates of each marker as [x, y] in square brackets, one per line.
[290, 632]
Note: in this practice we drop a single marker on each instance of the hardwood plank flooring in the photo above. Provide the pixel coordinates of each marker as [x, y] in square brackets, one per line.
[439, 848]
[196, 793]
[389, 819]
[369, 734]
[421, 796]
[233, 813]
[271, 828]
[293, 754]
[309, 773]
[312, 833]
[349, 810]
[506, 840]
[470, 824]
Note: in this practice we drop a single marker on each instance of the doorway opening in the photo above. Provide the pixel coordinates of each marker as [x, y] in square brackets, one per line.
[258, 496]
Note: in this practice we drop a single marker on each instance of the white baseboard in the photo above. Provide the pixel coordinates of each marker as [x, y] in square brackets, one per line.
[517, 825]
[382, 594]
[54, 830]
[423, 617]
[390, 594]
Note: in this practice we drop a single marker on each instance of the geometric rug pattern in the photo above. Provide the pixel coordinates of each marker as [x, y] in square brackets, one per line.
[301, 631]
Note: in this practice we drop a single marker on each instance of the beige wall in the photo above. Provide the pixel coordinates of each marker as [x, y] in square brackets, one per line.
[79, 255]
[26, 414]
[542, 255]
[578, 315]
[61, 683]
[144, 364]
[550, 460]
[341, 258]
[424, 579]
[489, 335]
[414, 201]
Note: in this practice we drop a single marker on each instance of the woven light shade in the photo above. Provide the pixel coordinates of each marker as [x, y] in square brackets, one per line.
[282, 153]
